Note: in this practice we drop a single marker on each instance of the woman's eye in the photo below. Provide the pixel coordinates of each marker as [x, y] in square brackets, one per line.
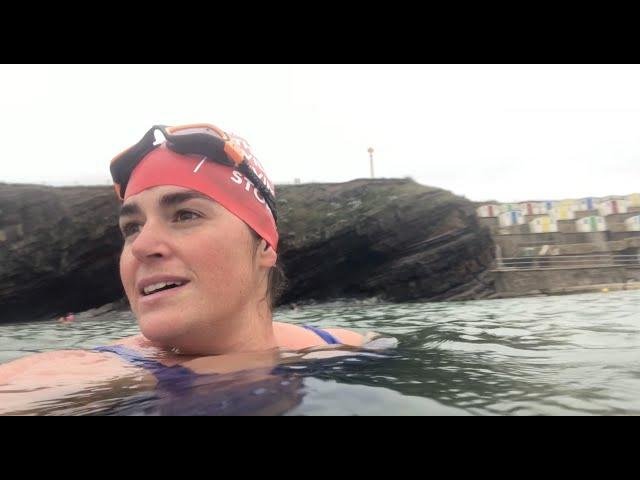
[129, 229]
[186, 215]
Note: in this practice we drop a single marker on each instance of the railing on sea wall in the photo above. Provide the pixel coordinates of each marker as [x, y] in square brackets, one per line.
[567, 261]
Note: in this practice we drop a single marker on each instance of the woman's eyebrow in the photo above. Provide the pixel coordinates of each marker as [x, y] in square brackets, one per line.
[167, 201]
[173, 199]
[129, 210]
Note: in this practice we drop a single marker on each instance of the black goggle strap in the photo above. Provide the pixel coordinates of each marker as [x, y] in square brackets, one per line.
[246, 170]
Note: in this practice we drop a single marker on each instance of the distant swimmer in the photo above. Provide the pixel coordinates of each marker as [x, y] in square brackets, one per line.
[68, 318]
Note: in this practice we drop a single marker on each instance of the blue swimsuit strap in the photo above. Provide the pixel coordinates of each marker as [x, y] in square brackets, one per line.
[326, 336]
[160, 371]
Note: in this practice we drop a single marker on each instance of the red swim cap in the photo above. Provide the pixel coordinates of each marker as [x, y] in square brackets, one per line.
[224, 184]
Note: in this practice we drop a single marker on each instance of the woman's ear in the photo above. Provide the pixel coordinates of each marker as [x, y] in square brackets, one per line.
[268, 256]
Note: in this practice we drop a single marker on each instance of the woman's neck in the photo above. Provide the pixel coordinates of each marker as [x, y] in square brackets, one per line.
[249, 330]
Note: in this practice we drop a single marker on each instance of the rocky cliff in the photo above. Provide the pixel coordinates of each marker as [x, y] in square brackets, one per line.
[394, 239]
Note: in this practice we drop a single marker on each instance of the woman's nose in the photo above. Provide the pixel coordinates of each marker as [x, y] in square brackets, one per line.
[151, 242]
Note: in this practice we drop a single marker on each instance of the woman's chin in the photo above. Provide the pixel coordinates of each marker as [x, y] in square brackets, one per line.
[161, 328]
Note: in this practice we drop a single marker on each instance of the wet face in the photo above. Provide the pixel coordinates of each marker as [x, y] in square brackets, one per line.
[187, 264]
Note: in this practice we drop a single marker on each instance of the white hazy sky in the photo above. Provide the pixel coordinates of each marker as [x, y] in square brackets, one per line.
[503, 132]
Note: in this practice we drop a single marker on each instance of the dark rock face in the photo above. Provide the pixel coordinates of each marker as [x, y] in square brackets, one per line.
[394, 239]
[59, 250]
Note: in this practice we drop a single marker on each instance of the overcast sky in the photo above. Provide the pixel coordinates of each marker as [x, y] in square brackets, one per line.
[503, 132]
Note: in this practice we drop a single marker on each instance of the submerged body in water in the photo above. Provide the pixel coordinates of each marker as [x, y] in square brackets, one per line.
[152, 382]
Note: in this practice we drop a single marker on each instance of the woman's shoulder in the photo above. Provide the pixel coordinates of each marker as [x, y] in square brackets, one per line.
[72, 362]
[346, 337]
[31, 380]
[59, 364]
[369, 340]
[298, 337]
